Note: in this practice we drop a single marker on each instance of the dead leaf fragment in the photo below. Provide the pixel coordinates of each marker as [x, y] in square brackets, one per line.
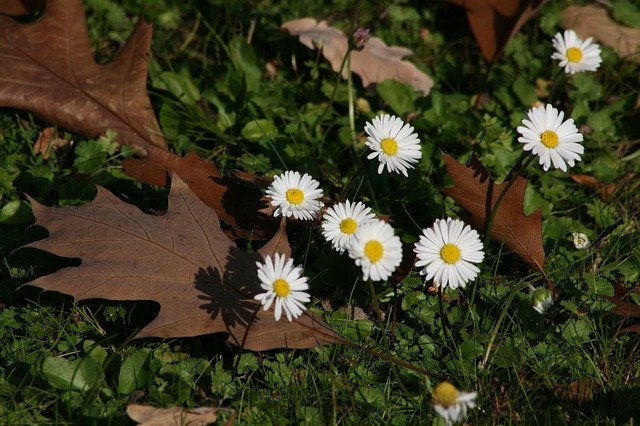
[242, 207]
[520, 233]
[147, 415]
[203, 282]
[375, 63]
[495, 22]
[48, 141]
[604, 190]
[593, 21]
[624, 308]
[48, 68]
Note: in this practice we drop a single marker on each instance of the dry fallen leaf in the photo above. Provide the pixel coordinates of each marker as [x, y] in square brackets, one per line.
[375, 63]
[242, 208]
[624, 308]
[203, 282]
[520, 233]
[48, 140]
[578, 391]
[604, 190]
[147, 415]
[495, 22]
[48, 68]
[593, 21]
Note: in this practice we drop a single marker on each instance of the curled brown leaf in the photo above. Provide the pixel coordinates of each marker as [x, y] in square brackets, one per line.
[376, 62]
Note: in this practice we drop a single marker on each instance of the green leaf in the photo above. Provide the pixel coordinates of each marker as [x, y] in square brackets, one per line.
[90, 157]
[598, 285]
[80, 374]
[135, 372]
[626, 12]
[245, 60]
[508, 354]
[576, 331]
[604, 214]
[178, 85]
[470, 350]
[398, 96]
[16, 212]
[525, 91]
[369, 397]
[258, 129]
[95, 351]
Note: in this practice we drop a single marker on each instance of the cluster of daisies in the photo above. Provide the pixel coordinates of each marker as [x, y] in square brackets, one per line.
[448, 252]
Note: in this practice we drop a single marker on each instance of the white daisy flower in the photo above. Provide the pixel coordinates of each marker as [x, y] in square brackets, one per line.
[448, 251]
[580, 240]
[342, 220]
[283, 283]
[576, 55]
[452, 404]
[393, 142]
[295, 195]
[541, 300]
[376, 249]
[547, 136]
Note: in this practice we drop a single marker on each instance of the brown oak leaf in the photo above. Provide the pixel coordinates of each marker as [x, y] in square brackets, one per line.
[522, 234]
[593, 21]
[147, 415]
[495, 22]
[241, 207]
[203, 282]
[47, 67]
[375, 63]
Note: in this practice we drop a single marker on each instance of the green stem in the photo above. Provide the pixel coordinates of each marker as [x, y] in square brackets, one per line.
[335, 88]
[357, 173]
[244, 339]
[352, 120]
[494, 332]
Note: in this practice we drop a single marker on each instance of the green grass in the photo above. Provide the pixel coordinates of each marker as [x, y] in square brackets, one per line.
[210, 91]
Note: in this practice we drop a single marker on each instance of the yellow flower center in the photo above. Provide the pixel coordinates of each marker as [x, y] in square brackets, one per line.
[295, 196]
[373, 250]
[348, 226]
[281, 287]
[445, 394]
[450, 253]
[549, 139]
[389, 146]
[574, 54]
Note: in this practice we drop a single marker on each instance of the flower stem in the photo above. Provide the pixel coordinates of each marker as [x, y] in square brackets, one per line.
[352, 121]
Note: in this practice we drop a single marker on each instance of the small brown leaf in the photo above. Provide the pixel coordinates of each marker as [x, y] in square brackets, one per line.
[495, 22]
[203, 282]
[375, 63]
[603, 190]
[623, 308]
[48, 140]
[241, 207]
[578, 391]
[47, 67]
[147, 415]
[593, 21]
[520, 233]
